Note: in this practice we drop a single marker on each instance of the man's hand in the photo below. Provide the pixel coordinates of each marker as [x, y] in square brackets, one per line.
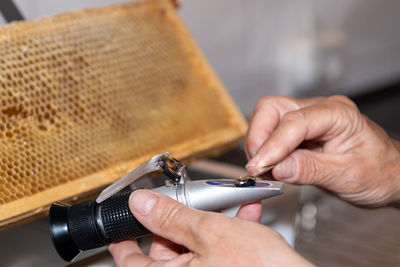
[351, 156]
[187, 237]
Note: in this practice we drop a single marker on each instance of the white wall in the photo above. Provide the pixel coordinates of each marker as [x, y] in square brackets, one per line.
[302, 47]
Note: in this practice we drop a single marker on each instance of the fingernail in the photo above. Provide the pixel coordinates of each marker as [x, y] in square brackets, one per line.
[253, 162]
[286, 169]
[142, 201]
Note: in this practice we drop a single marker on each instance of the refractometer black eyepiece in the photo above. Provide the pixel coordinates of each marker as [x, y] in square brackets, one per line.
[89, 225]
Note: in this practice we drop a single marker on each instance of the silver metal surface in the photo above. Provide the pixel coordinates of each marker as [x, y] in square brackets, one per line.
[16, 251]
[201, 195]
[147, 167]
[174, 169]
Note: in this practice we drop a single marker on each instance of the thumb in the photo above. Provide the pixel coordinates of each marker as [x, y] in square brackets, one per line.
[310, 167]
[172, 220]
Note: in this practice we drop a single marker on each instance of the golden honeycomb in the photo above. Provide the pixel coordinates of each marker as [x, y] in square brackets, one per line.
[88, 95]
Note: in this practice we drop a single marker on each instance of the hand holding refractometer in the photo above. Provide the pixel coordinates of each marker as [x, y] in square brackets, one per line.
[93, 224]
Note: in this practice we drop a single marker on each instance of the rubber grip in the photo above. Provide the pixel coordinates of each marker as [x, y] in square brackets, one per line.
[118, 221]
[82, 226]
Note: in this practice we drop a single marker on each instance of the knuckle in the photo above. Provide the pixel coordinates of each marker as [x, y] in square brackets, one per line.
[344, 100]
[310, 170]
[270, 99]
[207, 228]
[303, 167]
[294, 116]
[262, 101]
[347, 114]
[169, 215]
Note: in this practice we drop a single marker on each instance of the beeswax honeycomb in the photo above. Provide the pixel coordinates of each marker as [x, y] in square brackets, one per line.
[84, 93]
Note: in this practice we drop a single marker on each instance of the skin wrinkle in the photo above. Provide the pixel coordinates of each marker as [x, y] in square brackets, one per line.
[281, 109]
[378, 192]
[345, 132]
[253, 148]
[223, 240]
[312, 133]
[342, 136]
[279, 112]
[359, 163]
[337, 127]
[346, 111]
[169, 215]
[312, 164]
[342, 144]
[307, 168]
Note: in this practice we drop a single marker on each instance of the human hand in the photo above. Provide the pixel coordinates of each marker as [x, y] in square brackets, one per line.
[355, 158]
[211, 239]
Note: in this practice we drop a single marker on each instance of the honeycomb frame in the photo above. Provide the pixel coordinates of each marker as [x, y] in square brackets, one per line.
[88, 95]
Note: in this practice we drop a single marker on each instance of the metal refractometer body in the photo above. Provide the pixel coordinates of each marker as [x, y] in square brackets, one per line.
[94, 224]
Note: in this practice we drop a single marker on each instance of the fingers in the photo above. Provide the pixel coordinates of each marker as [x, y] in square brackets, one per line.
[323, 121]
[163, 249]
[173, 221]
[128, 251]
[310, 167]
[267, 114]
[265, 118]
[250, 212]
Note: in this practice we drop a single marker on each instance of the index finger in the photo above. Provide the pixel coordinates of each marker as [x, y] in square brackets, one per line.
[321, 122]
[267, 114]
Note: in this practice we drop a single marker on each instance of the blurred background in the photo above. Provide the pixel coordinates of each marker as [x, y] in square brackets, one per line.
[297, 48]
